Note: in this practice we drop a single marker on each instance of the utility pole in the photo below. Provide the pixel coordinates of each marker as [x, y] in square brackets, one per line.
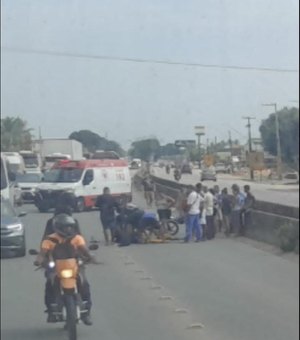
[279, 156]
[207, 146]
[250, 140]
[230, 144]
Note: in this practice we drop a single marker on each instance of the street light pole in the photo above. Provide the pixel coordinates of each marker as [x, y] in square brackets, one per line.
[250, 141]
[279, 156]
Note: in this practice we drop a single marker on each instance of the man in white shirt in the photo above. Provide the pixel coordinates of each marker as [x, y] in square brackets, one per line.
[209, 213]
[193, 214]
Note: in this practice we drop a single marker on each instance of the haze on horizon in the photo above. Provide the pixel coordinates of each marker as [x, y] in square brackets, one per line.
[129, 100]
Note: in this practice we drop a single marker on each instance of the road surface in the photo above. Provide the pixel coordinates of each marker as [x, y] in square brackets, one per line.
[282, 194]
[226, 289]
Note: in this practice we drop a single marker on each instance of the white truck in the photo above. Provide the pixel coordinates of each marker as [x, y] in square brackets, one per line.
[69, 148]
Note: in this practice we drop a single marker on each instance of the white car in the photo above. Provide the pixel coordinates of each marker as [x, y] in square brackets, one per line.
[27, 184]
[222, 168]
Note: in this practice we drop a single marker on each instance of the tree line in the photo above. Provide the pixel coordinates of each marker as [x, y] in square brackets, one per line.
[16, 136]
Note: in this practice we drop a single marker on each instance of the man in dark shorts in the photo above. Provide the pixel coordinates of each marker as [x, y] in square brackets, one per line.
[108, 207]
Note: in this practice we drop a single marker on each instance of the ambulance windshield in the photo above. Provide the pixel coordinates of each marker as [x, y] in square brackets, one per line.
[63, 175]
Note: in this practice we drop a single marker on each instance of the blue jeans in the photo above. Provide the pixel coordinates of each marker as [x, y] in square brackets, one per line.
[193, 225]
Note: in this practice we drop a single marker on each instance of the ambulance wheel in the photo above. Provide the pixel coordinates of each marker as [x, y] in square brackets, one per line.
[80, 205]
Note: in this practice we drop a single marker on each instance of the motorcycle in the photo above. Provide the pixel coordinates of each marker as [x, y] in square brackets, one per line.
[69, 307]
[144, 225]
[177, 175]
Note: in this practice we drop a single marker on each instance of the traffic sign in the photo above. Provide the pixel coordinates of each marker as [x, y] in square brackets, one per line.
[200, 130]
[187, 143]
[256, 160]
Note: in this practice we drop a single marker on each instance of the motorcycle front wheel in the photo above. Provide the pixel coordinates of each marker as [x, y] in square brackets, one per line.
[71, 311]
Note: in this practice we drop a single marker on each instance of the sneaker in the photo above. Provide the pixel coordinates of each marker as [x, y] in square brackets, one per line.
[51, 318]
[87, 320]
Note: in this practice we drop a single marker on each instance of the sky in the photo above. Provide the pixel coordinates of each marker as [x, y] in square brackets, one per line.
[127, 100]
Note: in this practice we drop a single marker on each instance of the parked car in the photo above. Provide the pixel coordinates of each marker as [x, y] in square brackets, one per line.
[28, 183]
[12, 230]
[208, 174]
[186, 169]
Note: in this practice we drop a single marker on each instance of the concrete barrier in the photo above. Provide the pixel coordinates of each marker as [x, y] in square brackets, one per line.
[264, 221]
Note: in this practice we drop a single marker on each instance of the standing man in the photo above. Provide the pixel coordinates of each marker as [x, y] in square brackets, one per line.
[209, 212]
[226, 210]
[148, 190]
[248, 206]
[193, 214]
[218, 208]
[108, 206]
[238, 205]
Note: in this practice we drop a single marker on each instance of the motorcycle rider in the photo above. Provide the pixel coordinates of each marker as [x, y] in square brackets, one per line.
[66, 243]
[61, 209]
[177, 174]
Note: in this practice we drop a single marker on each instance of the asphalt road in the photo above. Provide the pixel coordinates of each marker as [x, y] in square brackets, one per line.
[282, 194]
[227, 289]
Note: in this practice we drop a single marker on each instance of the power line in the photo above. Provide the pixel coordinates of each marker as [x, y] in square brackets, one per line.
[148, 61]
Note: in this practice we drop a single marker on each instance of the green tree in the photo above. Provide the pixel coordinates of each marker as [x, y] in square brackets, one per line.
[15, 135]
[147, 149]
[288, 131]
[92, 142]
[168, 150]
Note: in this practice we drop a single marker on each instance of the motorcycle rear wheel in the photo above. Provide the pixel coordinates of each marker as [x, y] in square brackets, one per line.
[71, 323]
[173, 227]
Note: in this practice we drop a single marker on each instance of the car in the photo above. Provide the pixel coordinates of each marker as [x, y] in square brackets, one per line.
[186, 169]
[18, 200]
[28, 183]
[222, 168]
[208, 174]
[12, 230]
[134, 165]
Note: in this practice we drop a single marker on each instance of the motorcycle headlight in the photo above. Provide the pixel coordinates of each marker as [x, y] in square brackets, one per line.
[16, 227]
[51, 264]
[66, 273]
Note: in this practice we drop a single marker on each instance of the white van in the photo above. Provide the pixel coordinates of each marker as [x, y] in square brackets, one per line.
[7, 189]
[16, 162]
[84, 180]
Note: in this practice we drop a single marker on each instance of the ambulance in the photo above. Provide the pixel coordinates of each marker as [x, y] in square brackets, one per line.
[83, 181]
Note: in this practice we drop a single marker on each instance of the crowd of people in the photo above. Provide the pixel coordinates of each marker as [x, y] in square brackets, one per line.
[211, 210]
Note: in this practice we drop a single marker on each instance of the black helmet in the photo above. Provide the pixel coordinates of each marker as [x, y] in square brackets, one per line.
[63, 209]
[64, 225]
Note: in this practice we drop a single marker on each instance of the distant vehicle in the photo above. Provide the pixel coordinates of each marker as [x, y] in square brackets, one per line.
[33, 161]
[28, 183]
[84, 181]
[15, 161]
[208, 174]
[222, 168]
[134, 165]
[46, 147]
[7, 178]
[51, 159]
[101, 154]
[186, 169]
[12, 230]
